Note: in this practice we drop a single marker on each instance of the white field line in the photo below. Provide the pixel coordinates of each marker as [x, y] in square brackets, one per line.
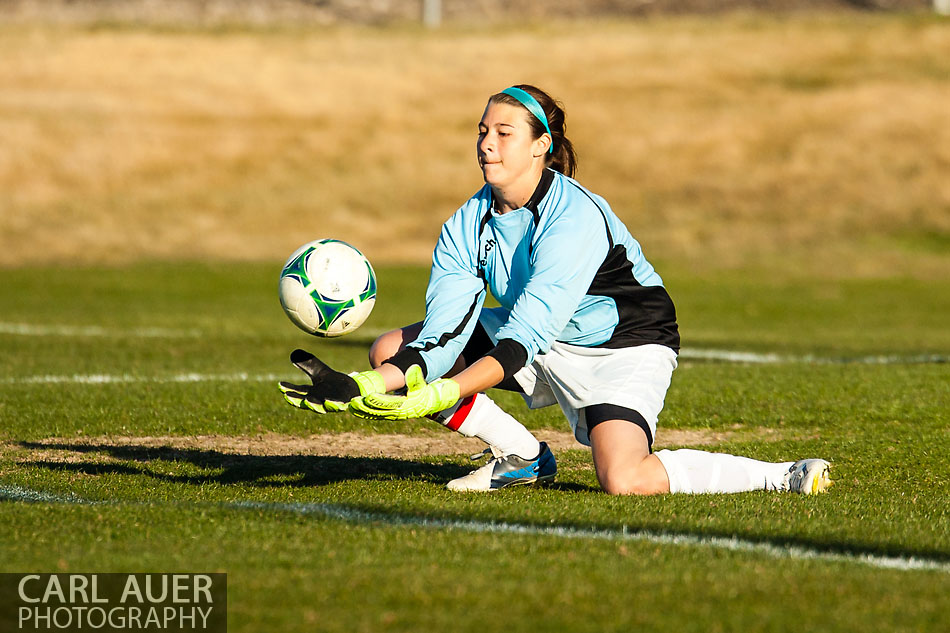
[369, 334]
[98, 331]
[193, 377]
[118, 379]
[730, 356]
[361, 517]
[28, 329]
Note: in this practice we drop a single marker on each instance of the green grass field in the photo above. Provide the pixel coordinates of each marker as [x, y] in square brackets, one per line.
[105, 374]
[789, 170]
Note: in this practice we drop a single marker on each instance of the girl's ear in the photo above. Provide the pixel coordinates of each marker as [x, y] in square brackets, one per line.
[542, 144]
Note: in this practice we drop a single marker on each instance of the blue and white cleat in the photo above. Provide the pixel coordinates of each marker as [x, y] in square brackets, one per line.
[508, 470]
[808, 477]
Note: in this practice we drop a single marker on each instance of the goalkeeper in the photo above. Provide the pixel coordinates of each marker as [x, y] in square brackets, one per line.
[585, 323]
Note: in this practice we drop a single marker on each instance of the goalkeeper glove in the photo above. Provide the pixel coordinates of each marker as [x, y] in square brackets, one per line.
[421, 399]
[330, 390]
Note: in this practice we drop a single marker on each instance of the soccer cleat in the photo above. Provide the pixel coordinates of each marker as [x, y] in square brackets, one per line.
[508, 470]
[808, 477]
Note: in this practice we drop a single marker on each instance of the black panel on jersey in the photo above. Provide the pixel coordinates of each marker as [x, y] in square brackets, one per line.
[645, 313]
[547, 177]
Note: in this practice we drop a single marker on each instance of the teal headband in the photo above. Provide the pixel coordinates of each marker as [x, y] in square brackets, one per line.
[533, 107]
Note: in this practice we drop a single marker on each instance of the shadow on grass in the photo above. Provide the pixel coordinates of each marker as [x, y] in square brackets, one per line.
[308, 470]
[255, 470]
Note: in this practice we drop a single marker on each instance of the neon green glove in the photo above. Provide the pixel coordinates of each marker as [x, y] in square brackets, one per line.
[420, 400]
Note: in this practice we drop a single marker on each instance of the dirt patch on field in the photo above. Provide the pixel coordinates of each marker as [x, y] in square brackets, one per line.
[354, 444]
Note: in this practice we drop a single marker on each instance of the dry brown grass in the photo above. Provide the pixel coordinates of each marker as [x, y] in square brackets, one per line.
[732, 141]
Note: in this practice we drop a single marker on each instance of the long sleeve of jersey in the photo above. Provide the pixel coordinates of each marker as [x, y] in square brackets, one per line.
[454, 296]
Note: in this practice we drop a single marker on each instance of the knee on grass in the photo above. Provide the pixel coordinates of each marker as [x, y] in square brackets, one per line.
[629, 481]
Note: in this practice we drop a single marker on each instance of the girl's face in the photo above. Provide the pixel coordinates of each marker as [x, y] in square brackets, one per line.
[506, 149]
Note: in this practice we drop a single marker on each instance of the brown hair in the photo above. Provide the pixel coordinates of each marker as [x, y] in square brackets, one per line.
[563, 159]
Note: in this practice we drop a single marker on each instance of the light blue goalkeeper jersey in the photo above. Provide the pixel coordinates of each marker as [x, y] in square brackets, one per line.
[564, 267]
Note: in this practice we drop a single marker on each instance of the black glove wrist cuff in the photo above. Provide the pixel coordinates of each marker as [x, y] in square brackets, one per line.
[406, 358]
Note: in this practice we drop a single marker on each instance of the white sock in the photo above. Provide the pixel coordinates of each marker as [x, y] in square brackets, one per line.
[698, 471]
[479, 416]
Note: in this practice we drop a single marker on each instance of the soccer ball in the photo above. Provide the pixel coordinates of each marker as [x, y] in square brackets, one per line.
[327, 288]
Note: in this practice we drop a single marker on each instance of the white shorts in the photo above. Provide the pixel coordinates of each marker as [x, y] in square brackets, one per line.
[576, 377]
